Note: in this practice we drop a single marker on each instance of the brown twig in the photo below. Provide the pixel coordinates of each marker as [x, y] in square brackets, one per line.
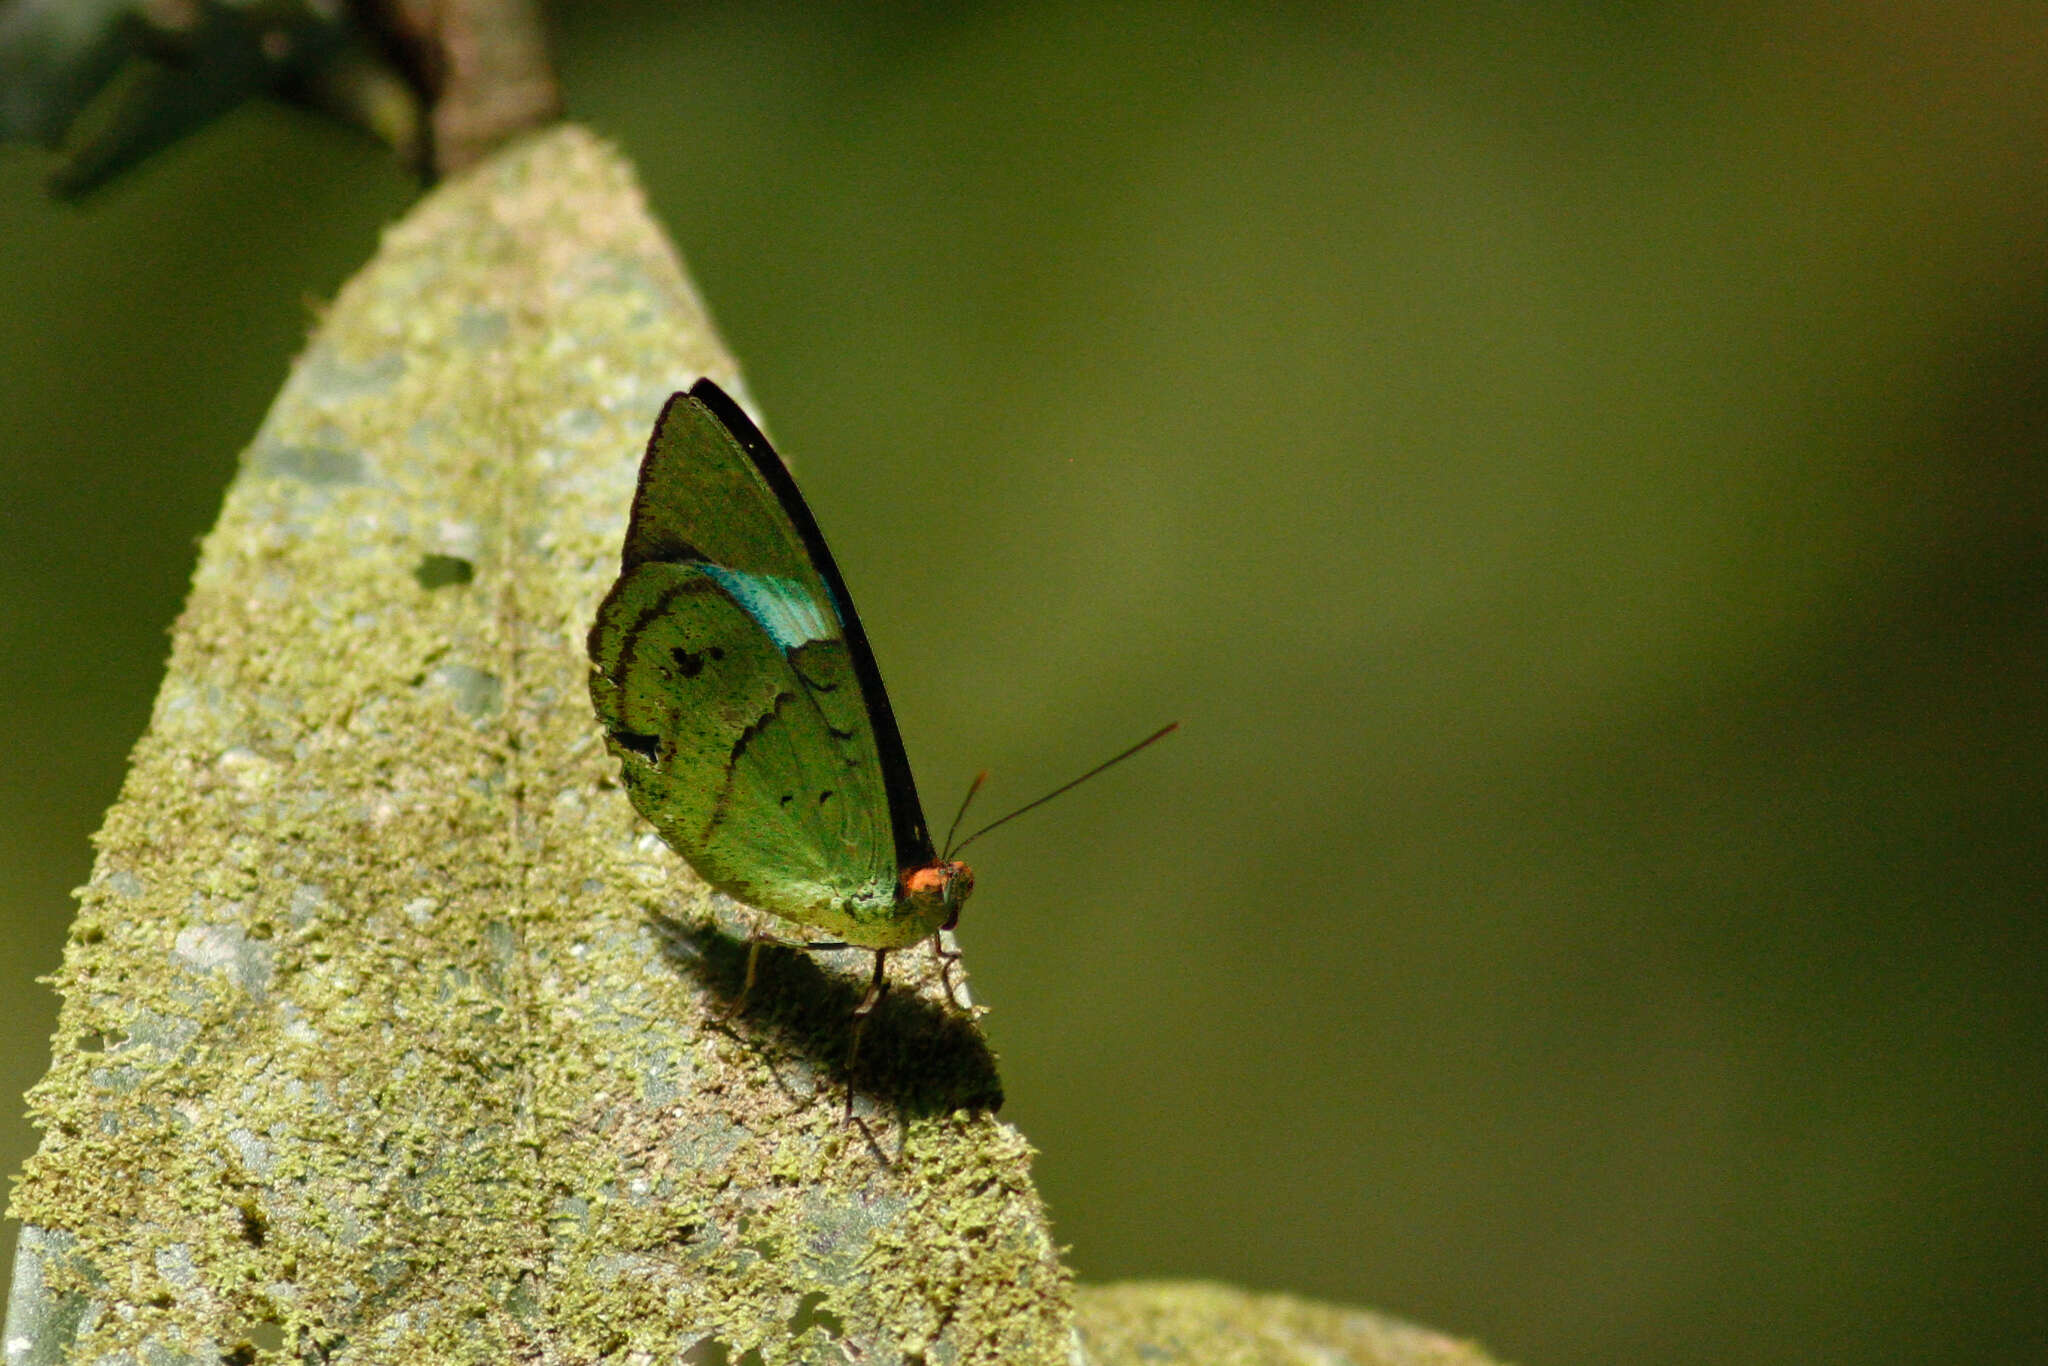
[483, 65]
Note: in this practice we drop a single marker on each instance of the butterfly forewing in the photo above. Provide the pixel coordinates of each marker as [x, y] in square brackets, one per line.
[702, 497]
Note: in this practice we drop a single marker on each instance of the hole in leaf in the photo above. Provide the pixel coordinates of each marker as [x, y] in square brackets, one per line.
[808, 1315]
[707, 1352]
[443, 571]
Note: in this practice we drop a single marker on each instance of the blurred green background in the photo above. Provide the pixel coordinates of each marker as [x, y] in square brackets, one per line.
[1577, 473]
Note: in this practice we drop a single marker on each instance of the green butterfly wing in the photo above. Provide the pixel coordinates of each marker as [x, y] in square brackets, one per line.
[738, 691]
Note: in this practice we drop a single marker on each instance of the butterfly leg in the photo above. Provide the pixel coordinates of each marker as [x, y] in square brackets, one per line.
[738, 1004]
[756, 937]
[946, 958]
[753, 966]
[878, 987]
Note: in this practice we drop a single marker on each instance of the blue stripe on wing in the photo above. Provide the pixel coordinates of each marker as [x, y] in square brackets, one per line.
[783, 608]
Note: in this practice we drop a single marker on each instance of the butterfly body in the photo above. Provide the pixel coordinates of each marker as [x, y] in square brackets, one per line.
[738, 692]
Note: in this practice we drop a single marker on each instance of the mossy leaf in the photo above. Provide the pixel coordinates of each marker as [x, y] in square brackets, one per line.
[389, 1033]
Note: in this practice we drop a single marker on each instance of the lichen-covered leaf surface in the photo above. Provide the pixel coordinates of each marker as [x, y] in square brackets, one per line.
[389, 1033]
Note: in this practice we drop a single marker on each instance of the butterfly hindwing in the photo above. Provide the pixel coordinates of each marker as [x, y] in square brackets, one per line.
[742, 756]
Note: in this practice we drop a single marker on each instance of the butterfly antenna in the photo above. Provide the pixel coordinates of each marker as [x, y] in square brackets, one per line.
[1151, 739]
[954, 828]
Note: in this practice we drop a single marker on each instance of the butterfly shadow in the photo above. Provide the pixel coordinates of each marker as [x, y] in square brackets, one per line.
[916, 1057]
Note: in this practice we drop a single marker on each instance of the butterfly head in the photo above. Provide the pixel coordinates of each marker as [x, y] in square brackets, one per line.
[940, 887]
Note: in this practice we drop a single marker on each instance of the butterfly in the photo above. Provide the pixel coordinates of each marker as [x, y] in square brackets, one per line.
[738, 692]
